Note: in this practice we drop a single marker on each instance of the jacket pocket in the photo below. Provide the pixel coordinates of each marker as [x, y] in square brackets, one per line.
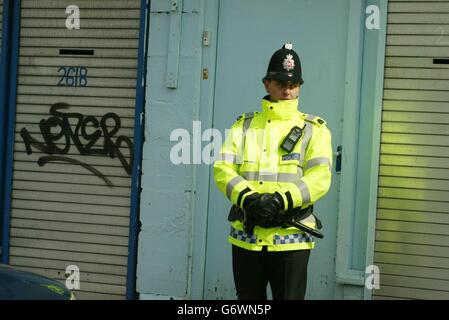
[290, 165]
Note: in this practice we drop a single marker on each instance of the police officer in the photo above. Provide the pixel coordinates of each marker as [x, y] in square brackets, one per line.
[273, 166]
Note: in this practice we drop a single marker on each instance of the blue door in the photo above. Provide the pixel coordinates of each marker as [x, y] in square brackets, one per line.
[249, 31]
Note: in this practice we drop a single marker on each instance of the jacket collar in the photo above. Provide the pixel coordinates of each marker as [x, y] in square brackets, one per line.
[280, 110]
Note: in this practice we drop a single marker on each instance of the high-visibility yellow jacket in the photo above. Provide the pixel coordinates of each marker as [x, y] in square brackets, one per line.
[251, 160]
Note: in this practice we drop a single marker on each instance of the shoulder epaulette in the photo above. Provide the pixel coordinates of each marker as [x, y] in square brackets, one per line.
[246, 115]
[315, 119]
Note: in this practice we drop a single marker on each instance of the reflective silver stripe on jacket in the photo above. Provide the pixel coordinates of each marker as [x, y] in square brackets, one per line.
[243, 236]
[308, 130]
[231, 185]
[281, 177]
[271, 176]
[311, 117]
[249, 115]
[304, 190]
[316, 162]
[228, 157]
[246, 125]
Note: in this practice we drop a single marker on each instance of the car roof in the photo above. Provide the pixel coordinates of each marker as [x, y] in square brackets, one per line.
[19, 284]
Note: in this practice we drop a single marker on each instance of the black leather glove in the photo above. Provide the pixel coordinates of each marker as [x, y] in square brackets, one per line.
[249, 221]
[250, 199]
[265, 209]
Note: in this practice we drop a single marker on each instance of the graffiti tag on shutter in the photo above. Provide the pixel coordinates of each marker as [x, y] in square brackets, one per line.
[59, 119]
[72, 77]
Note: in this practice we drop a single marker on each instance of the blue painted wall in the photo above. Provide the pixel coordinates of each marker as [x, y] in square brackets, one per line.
[168, 190]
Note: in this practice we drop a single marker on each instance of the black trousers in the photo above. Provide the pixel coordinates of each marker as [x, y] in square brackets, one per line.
[286, 272]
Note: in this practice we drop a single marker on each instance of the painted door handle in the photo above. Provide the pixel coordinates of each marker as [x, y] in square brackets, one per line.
[338, 154]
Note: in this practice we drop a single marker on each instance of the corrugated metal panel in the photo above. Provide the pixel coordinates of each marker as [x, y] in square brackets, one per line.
[412, 230]
[75, 209]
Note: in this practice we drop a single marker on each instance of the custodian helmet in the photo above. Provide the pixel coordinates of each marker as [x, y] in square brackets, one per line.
[285, 65]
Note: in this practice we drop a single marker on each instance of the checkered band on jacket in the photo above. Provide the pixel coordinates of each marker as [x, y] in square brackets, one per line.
[292, 238]
[277, 239]
[243, 236]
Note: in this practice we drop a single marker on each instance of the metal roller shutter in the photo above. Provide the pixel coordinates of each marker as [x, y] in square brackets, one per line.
[412, 231]
[73, 142]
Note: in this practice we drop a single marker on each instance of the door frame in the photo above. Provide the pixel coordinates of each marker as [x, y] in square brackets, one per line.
[361, 137]
[139, 116]
[8, 92]
[201, 173]
[375, 51]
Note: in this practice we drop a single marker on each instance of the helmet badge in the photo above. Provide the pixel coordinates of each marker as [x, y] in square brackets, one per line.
[289, 63]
